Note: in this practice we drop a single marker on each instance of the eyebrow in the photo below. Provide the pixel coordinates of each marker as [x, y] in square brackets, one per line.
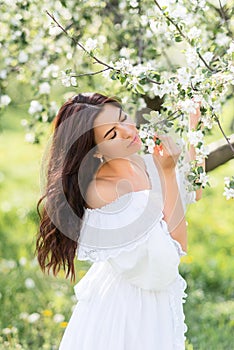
[107, 133]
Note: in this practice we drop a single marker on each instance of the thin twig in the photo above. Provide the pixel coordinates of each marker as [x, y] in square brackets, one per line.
[223, 15]
[77, 42]
[153, 81]
[182, 34]
[170, 119]
[139, 39]
[91, 73]
[222, 131]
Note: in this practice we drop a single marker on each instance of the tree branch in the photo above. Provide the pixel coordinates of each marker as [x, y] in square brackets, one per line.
[91, 73]
[78, 43]
[223, 15]
[222, 131]
[182, 34]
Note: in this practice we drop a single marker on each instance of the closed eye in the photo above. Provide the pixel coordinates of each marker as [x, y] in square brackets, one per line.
[125, 117]
[113, 135]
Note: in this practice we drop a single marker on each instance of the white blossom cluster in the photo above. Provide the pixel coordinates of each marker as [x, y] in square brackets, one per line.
[229, 187]
[143, 53]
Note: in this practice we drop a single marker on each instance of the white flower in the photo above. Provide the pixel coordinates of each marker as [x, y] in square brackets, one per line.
[43, 62]
[3, 74]
[207, 121]
[194, 33]
[227, 181]
[142, 134]
[23, 57]
[34, 317]
[91, 44]
[35, 107]
[228, 193]
[144, 20]
[44, 88]
[5, 100]
[133, 81]
[192, 57]
[208, 57]
[195, 137]
[58, 318]
[141, 103]
[11, 264]
[126, 52]
[188, 106]
[54, 31]
[30, 137]
[231, 48]
[24, 122]
[151, 150]
[67, 80]
[73, 81]
[29, 283]
[183, 77]
[53, 107]
[133, 3]
[150, 143]
[23, 316]
[22, 261]
[203, 179]
[123, 65]
[6, 331]
[222, 39]
[158, 90]
[179, 12]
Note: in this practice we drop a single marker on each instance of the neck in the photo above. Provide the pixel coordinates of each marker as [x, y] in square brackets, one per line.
[119, 166]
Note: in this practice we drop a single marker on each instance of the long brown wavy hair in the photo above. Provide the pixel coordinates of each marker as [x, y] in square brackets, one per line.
[70, 168]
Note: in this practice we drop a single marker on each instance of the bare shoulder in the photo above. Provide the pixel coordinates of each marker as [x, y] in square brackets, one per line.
[99, 193]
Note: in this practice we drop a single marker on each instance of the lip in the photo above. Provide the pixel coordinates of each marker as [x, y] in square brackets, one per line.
[135, 140]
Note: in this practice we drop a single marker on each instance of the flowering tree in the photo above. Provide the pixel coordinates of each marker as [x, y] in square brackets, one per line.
[178, 52]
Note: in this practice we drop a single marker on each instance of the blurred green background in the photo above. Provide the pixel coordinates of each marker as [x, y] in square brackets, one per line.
[35, 308]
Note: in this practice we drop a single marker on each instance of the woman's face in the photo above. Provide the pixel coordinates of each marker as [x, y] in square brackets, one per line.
[115, 133]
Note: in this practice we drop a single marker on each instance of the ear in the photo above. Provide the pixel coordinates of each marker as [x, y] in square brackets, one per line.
[97, 155]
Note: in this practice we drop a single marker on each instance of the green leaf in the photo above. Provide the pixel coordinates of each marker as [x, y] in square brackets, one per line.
[200, 170]
[191, 177]
[146, 117]
[140, 89]
[178, 38]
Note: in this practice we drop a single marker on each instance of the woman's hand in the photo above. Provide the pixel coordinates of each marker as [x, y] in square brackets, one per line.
[166, 154]
[194, 118]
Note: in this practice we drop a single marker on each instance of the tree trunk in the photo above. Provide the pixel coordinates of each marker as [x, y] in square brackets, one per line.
[220, 153]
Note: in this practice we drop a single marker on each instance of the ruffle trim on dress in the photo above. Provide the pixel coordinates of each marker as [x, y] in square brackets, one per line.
[179, 249]
[177, 295]
[96, 255]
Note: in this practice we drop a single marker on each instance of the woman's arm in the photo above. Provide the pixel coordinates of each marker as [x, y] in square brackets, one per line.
[173, 209]
[193, 122]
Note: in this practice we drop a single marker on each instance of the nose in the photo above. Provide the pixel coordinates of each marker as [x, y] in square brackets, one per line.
[127, 130]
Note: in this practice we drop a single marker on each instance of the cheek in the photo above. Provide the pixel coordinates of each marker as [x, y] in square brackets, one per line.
[114, 147]
[118, 148]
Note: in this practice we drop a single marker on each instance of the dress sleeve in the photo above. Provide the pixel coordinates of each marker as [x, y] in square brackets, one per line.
[187, 196]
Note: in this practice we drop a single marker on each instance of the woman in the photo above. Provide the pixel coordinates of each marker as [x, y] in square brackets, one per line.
[124, 213]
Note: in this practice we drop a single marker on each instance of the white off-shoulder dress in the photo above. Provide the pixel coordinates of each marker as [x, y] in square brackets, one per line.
[131, 298]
